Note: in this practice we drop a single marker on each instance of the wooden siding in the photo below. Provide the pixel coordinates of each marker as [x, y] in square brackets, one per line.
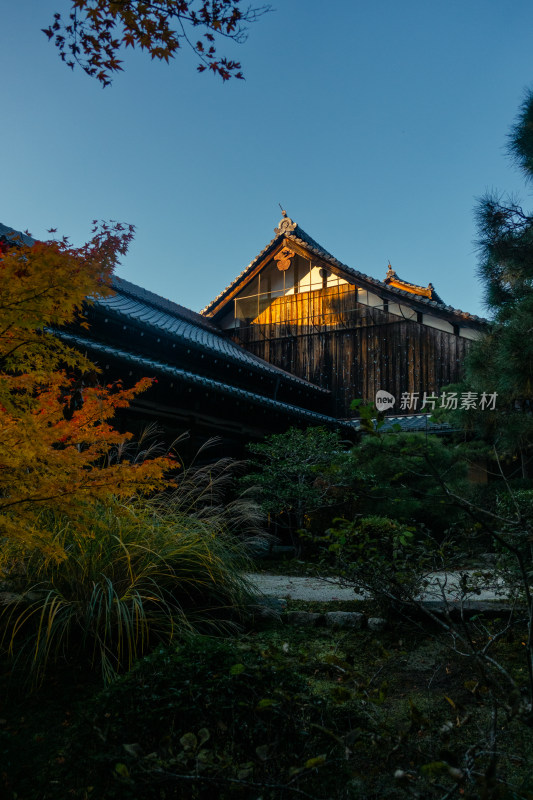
[329, 338]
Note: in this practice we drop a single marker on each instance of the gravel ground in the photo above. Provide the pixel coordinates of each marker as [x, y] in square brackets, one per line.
[301, 588]
[321, 590]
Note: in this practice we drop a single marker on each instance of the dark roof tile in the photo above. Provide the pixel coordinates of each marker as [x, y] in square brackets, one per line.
[12, 236]
[171, 321]
[415, 423]
[148, 364]
[161, 303]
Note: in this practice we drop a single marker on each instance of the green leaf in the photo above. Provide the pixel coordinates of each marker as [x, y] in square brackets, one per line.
[450, 701]
[189, 741]
[262, 751]
[132, 750]
[245, 770]
[434, 768]
[122, 771]
[237, 669]
[318, 761]
[295, 771]
[340, 694]
[266, 702]
[203, 736]
[330, 658]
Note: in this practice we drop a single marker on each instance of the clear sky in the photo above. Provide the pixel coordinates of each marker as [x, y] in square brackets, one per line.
[376, 125]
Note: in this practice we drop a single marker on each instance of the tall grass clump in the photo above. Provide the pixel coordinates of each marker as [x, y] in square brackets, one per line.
[145, 573]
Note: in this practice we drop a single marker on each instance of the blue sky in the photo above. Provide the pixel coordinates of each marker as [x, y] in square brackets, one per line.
[376, 125]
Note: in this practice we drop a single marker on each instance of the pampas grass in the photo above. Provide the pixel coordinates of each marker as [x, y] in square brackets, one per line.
[143, 574]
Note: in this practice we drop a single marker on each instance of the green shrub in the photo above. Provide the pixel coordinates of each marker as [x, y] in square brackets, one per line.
[382, 557]
[514, 539]
[299, 476]
[398, 475]
[516, 504]
[210, 718]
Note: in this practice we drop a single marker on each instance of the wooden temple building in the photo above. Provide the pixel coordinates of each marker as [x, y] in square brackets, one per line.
[299, 308]
[291, 341]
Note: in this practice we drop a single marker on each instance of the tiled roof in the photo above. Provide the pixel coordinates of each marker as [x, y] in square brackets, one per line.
[161, 303]
[148, 366]
[393, 279]
[302, 238]
[11, 235]
[415, 423]
[150, 311]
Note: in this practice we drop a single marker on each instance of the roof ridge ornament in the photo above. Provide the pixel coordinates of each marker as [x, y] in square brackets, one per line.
[286, 225]
[392, 279]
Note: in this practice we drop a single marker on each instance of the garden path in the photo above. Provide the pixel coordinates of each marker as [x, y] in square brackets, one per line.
[328, 589]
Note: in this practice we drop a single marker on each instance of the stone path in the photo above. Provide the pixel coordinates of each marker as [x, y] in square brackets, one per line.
[300, 587]
[320, 590]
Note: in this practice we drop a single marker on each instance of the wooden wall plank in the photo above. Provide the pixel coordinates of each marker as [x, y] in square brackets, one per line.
[330, 339]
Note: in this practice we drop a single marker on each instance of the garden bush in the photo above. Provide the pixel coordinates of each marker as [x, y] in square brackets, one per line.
[142, 574]
[210, 718]
[382, 557]
[299, 478]
[398, 475]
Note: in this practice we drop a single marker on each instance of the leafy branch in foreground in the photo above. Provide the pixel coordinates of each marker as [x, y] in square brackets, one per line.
[421, 580]
[97, 30]
[55, 421]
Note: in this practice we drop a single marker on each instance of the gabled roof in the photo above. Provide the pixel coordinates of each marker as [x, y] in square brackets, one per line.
[290, 231]
[149, 310]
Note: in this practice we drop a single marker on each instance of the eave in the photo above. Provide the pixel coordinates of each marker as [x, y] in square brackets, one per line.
[206, 340]
[100, 352]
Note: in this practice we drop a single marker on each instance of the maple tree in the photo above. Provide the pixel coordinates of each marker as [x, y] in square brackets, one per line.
[96, 30]
[56, 436]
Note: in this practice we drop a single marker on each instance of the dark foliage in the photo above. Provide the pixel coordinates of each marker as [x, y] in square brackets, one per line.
[502, 362]
[212, 718]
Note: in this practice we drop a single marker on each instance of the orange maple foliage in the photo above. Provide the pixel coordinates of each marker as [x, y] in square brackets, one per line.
[54, 453]
[96, 31]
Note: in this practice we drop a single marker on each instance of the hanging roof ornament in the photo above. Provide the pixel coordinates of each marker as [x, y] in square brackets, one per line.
[286, 225]
[283, 258]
